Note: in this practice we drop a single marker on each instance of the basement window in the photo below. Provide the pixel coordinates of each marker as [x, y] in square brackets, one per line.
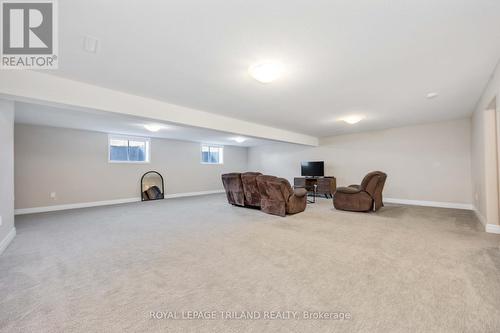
[128, 149]
[211, 154]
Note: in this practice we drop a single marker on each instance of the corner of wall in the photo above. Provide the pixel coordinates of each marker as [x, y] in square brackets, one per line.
[484, 151]
[4, 243]
[7, 230]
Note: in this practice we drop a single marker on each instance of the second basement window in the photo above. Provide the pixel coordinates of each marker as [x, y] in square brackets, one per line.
[212, 154]
[128, 149]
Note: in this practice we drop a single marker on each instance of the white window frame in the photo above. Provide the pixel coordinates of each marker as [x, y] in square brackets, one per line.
[130, 138]
[221, 160]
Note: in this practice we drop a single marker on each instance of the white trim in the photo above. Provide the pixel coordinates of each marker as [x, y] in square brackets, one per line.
[221, 152]
[54, 208]
[493, 228]
[6, 241]
[44, 209]
[128, 138]
[430, 203]
[128, 162]
[490, 228]
[191, 194]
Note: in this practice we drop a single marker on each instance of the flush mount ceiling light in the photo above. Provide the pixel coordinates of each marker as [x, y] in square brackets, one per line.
[153, 127]
[266, 72]
[353, 119]
[239, 139]
[432, 95]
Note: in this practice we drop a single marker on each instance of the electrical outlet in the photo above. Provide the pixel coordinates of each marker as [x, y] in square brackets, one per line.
[53, 195]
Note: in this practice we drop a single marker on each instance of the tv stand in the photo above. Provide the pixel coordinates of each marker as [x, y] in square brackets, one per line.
[324, 185]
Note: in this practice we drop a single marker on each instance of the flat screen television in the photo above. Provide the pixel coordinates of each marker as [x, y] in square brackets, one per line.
[313, 169]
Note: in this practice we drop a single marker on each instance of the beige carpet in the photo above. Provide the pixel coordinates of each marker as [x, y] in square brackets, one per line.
[404, 269]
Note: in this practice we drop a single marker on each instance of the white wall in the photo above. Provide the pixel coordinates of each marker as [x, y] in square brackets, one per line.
[7, 230]
[74, 164]
[484, 152]
[426, 162]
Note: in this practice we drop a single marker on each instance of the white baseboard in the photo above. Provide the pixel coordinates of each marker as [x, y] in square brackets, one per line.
[191, 194]
[54, 208]
[430, 203]
[7, 239]
[492, 228]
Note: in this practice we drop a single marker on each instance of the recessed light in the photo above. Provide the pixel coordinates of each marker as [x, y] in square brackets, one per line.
[239, 139]
[432, 95]
[353, 119]
[266, 72]
[153, 127]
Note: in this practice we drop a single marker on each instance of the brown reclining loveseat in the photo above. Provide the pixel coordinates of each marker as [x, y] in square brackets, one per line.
[272, 194]
[241, 188]
[278, 197]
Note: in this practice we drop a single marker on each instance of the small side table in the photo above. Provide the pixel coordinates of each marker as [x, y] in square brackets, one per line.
[315, 190]
[317, 185]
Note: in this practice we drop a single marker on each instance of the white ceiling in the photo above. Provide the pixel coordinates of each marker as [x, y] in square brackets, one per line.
[375, 58]
[107, 122]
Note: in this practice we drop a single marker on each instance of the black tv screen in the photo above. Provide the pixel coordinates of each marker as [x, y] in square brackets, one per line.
[313, 169]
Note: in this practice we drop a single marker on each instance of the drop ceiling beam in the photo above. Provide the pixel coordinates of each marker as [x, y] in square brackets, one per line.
[49, 89]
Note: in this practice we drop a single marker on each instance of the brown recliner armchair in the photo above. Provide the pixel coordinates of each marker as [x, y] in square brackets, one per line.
[278, 197]
[234, 188]
[250, 188]
[364, 197]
